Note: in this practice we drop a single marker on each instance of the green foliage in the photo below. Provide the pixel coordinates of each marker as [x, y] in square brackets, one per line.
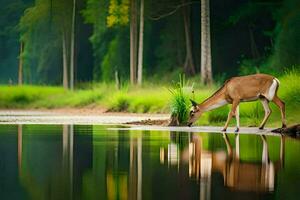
[180, 102]
[136, 100]
[107, 70]
[11, 12]
[42, 27]
[115, 59]
[290, 87]
[249, 66]
[287, 40]
[254, 113]
[69, 99]
[284, 50]
[170, 51]
[248, 12]
[270, 30]
[110, 45]
[25, 96]
[45, 97]
[120, 102]
[118, 13]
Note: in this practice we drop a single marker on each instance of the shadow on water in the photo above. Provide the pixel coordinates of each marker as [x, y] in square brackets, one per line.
[91, 162]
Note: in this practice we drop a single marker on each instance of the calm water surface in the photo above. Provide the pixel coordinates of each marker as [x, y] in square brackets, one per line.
[92, 162]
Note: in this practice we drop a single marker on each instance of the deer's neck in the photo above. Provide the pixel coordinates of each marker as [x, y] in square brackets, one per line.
[213, 102]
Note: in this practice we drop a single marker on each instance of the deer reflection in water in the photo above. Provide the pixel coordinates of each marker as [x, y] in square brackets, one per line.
[249, 176]
[237, 174]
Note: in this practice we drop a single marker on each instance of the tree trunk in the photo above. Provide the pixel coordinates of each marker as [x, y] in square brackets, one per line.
[65, 61]
[189, 66]
[72, 50]
[206, 71]
[141, 44]
[20, 73]
[133, 41]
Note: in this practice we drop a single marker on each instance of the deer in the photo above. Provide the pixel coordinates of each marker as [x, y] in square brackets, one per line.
[262, 87]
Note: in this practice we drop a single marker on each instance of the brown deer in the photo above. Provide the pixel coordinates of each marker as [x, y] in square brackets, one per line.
[261, 87]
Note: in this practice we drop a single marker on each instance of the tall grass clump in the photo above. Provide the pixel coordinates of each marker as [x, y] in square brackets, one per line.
[119, 101]
[179, 104]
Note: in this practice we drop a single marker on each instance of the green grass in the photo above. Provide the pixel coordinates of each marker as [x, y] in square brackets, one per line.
[149, 99]
[138, 100]
[179, 103]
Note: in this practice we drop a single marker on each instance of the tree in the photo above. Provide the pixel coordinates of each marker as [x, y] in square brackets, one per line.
[189, 66]
[133, 41]
[65, 62]
[46, 29]
[62, 19]
[141, 44]
[20, 71]
[206, 69]
[72, 49]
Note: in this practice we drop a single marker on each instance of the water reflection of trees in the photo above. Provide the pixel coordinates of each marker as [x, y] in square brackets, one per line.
[46, 162]
[123, 178]
[118, 165]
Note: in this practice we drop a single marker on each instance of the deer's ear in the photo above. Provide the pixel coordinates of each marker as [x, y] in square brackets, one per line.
[194, 104]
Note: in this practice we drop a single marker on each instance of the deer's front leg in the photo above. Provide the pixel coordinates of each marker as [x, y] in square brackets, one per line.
[237, 117]
[231, 113]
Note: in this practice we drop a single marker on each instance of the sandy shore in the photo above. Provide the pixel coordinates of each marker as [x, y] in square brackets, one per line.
[89, 116]
[73, 116]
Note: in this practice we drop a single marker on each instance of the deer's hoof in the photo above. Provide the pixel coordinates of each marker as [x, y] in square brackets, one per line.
[237, 130]
[261, 128]
[223, 130]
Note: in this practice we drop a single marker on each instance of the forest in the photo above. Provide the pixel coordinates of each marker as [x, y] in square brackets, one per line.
[133, 49]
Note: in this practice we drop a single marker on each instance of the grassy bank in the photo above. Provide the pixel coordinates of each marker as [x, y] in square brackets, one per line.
[148, 99]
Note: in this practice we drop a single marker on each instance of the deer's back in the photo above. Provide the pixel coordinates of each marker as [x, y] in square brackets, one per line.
[249, 88]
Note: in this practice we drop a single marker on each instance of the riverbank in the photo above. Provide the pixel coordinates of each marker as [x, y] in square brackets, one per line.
[149, 99]
[73, 116]
[127, 120]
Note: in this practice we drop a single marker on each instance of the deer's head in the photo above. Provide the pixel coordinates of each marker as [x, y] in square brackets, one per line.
[195, 113]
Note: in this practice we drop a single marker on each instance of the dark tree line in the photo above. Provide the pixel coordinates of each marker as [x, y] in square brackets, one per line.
[71, 41]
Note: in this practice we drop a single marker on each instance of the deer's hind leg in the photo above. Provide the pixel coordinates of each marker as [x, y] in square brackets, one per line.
[268, 112]
[281, 105]
[237, 117]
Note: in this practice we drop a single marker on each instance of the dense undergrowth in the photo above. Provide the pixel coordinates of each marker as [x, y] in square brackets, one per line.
[147, 99]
